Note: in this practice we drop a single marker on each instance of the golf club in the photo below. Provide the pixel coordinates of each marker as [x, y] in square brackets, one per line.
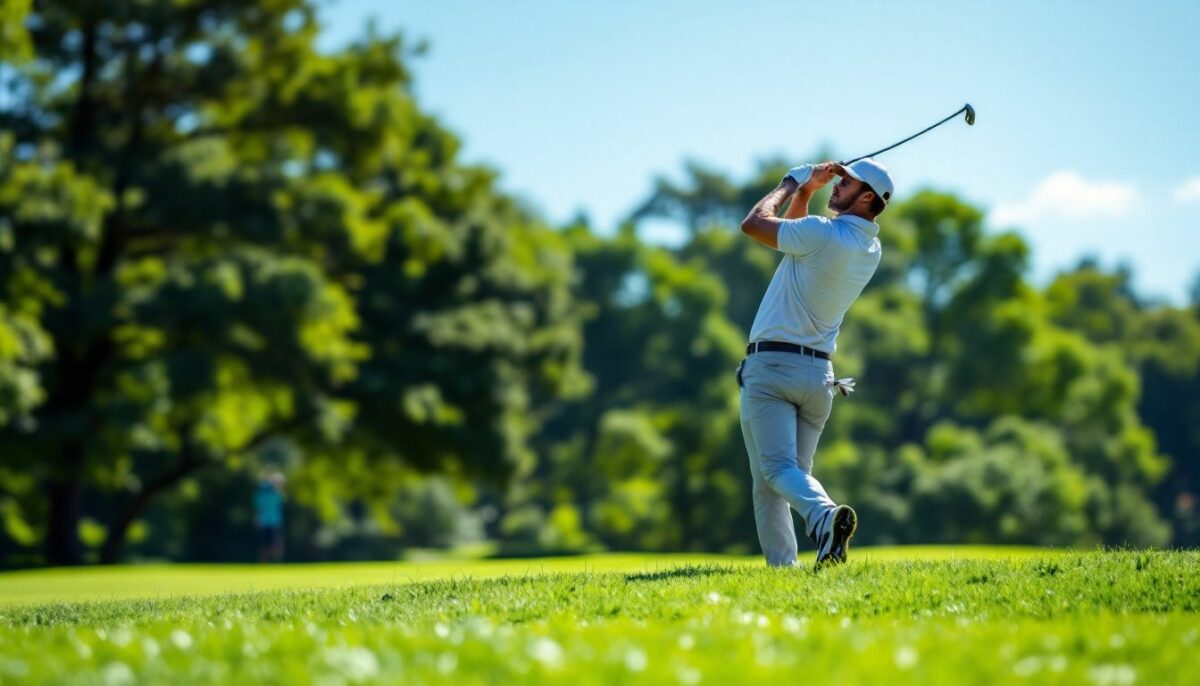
[970, 117]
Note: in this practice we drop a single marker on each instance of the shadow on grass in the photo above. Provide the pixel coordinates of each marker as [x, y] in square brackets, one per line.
[684, 572]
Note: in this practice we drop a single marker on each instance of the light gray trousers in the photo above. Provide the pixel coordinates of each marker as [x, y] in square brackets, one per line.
[785, 400]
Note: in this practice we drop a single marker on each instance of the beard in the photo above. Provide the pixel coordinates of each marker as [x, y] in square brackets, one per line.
[844, 202]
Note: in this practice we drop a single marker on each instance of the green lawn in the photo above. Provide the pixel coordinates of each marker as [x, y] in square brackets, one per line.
[165, 581]
[922, 615]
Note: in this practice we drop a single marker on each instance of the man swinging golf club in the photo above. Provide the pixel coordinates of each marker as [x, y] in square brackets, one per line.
[787, 382]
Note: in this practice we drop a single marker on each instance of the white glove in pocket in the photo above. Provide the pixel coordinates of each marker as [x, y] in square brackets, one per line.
[843, 386]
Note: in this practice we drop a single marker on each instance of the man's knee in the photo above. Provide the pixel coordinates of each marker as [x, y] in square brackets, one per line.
[761, 492]
[774, 467]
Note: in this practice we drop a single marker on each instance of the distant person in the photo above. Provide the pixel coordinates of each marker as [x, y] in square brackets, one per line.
[268, 516]
[787, 382]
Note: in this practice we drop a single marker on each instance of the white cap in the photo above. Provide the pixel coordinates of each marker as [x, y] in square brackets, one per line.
[874, 175]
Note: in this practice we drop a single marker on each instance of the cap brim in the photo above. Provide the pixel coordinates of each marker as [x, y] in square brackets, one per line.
[843, 170]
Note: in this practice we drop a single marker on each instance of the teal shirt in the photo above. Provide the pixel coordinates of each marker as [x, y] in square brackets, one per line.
[268, 505]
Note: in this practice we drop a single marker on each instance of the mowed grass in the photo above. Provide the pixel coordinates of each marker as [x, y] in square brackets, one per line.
[1105, 617]
[165, 581]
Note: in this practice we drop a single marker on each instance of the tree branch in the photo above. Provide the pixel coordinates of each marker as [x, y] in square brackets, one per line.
[190, 461]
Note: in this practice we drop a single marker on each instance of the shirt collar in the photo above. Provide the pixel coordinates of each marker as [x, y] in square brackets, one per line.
[861, 224]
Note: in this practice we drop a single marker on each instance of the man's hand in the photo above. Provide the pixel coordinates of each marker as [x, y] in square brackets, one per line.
[812, 178]
[800, 174]
[821, 175]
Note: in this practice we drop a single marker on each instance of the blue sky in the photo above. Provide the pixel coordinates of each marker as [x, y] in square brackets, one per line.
[1087, 141]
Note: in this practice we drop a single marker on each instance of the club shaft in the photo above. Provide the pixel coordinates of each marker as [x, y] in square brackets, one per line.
[924, 130]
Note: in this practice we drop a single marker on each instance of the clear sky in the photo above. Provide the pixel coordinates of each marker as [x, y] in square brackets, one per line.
[1087, 139]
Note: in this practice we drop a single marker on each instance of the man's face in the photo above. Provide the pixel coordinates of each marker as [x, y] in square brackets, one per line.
[845, 193]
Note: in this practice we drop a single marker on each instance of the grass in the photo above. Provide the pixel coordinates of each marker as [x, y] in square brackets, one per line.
[946, 615]
[165, 581]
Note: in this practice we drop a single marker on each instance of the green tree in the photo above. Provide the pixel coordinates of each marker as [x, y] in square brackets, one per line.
[232, 238]
[1162, 343]
[644, 457]
[949, 333]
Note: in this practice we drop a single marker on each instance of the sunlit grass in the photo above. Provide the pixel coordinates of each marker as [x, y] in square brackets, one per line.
[164, 581]
[991, 616]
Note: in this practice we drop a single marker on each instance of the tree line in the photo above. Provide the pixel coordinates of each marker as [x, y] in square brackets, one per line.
[221, 247]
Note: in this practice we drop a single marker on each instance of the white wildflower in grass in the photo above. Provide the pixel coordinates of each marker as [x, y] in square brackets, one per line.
[150, 648]
[1112, 675]
[447, 662]
[181, 639]
[121, 636]
[1028, 666]
[905, 657]
[354, 664]
[546, 651]
[635, 659]
[688, 676]
[117, 674]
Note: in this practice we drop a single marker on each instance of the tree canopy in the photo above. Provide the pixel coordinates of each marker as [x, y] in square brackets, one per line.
[221, 247]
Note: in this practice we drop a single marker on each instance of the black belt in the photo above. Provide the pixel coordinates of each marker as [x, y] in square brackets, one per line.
[779, 347]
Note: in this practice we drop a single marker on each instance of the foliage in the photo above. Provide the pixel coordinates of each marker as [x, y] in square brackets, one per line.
[216, 237]
[222, 248]
[983, 415]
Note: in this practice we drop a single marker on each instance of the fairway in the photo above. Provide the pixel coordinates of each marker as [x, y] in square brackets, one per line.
[165, 581]
[940, 615]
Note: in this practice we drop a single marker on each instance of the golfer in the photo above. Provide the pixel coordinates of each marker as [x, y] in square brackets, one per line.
[787, 382]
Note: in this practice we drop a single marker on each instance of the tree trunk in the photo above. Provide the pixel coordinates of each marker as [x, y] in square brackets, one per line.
[683, 505]
[68, 410]
[118, 528]
[118, 532]
[62, 536]
[189, 461]
[64, 486]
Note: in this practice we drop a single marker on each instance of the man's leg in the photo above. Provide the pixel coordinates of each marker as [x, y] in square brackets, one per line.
[260, 540]
[785, 437]
[772, 518]
[277, 544]
[811, 418]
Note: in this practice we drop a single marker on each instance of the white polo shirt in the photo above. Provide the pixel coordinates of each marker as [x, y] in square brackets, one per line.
[826, 265]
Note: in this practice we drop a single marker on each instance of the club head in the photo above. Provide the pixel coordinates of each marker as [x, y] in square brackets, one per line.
[970, 114]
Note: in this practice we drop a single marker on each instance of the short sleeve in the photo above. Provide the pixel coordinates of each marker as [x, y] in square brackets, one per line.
[804, 236]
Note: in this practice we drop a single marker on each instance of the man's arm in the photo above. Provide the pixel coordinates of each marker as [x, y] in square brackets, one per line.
[799, 206]
[761, 224]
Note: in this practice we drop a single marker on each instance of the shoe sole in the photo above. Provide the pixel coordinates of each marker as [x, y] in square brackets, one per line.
[845, 523]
